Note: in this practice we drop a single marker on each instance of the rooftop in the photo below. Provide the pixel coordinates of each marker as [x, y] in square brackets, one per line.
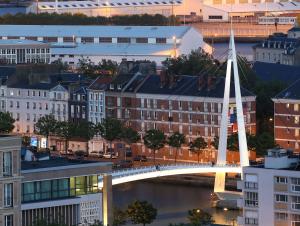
[55, 162]
[258, 7]
[187, 85]
[280, 72]
[280, 41]
[290, 93]
[111, 4]
[19, 42]
[37, 86]
[93, 31]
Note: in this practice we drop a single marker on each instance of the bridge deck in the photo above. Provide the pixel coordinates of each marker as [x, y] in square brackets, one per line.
[141, 173]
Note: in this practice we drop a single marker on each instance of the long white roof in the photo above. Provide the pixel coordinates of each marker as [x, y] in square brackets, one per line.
[105, 4]
[108, 49]
[93, 31]
[258, 7]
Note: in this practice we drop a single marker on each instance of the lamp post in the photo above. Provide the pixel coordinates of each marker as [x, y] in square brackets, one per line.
[174, 46]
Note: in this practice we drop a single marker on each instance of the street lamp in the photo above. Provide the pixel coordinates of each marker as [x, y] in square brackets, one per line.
[107, 5]
[174, 46]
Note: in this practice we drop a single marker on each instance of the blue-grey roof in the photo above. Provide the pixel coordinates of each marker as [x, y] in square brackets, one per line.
[52, 163]
[12, 10]
[280, 41]
[290, 93]
[187, 86]
[93, 31]
[19, 42]
[37, 86]
[111, 49]
[269, 71]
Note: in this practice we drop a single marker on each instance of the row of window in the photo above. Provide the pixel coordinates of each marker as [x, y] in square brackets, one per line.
[59, 188]
[28, 51]
[295, 107]
[90, 40]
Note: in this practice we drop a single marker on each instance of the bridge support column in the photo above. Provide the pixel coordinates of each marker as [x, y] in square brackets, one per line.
[222, 150]
[107, 200]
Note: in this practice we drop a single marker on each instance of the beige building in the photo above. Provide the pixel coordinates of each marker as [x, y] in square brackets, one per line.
[271, 192]
[10, 181]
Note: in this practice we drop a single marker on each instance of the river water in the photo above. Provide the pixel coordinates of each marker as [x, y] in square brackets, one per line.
[172, 201]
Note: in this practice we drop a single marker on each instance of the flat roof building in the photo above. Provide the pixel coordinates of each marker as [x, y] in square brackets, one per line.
[62, 190]
[20, 51]
[271, 191]
[71, 43]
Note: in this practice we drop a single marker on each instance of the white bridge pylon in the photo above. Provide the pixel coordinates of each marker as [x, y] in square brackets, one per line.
[222, 150]
[142, 173]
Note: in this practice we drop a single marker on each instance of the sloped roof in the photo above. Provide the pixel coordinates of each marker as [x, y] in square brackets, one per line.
[188, 86]
[290, 93]
[270, 71]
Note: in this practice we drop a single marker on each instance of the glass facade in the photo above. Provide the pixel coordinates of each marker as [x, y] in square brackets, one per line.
[59, 188]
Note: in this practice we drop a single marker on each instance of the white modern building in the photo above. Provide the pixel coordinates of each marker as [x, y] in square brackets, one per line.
[224, 10]
[210, 10]
[119, 7]
[71, 43]
[28, 103]
[20, 51]
[271, 192]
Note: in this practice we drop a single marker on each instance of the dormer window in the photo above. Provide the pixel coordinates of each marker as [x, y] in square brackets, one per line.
[119, 87]
[111, 87]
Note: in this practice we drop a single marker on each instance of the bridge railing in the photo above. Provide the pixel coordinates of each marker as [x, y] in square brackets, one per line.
[148, 169]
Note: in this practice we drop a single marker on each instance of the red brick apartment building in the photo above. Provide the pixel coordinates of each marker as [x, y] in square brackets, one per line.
[286, 117]
[191, 105]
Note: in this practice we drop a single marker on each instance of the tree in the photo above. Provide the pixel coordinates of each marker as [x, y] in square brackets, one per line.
[141, 212]
[25, 141]
[110, 129]
[86, 130]
[198, 217]
[176, 140]
[194, 63]
[6, 122]
[65, 130]
[265, 141]
[215, 142]
[197, 146]
[129, 136]
[154, 139]
[46, 126]
[120, 217]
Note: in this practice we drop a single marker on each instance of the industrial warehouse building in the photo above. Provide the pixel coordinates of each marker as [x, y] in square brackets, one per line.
[71, 43]
[208, 10]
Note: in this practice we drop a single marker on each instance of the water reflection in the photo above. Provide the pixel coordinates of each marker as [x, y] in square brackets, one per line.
[172, 201]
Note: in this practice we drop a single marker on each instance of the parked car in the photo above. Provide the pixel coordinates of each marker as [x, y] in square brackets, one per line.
[123, 164]
[109, 155]
[98, 154]
[140, 158]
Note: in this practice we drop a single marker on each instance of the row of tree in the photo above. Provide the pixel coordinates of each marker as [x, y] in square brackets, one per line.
[81, 19]
[109, 129]
[112, 129]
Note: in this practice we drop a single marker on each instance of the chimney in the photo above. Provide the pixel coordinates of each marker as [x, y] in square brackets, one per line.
[201, 82]
[210, 82]
[163, 77]
[172, 80]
